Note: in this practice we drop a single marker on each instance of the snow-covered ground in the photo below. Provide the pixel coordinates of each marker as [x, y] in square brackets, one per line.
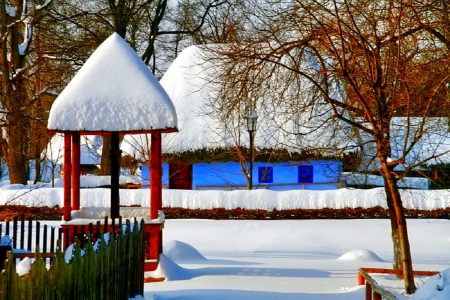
[293, 259]
[238, 259]
[276, 259]
[93, 196]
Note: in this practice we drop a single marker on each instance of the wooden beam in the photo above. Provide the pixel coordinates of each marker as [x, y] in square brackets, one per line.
[368, 291]
[398, 272]
[67, 177]
[76, 171]
[115, 155]
[155, 175]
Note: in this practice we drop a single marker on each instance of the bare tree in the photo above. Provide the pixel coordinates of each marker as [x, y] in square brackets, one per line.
[29, 77]
[146, 24]
[369, 61]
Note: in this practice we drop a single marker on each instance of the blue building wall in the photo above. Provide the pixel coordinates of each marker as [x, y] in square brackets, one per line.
[145, 173]
[312, 175]
[275, 176]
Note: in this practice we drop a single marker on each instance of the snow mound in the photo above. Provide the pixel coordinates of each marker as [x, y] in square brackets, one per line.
[169, 270]
[181, 252]
[69, 253]
[436, 287]
[360, 255]
[24, 266]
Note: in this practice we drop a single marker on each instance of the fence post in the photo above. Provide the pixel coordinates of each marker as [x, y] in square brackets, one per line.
[368, 291]
[52, 239]
[22, 231]
[376, 296]
[30, 231]
[15, 232]
[7, 228]
[38, 233]
[44, 242]
[361, 279]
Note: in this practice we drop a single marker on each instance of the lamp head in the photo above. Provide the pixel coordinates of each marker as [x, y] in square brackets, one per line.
[251, 118]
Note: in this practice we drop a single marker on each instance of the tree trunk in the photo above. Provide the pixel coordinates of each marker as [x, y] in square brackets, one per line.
[16, 155]
[393, 194]
[105, 164]
[13, 96]
[397, 260]
[37, 171]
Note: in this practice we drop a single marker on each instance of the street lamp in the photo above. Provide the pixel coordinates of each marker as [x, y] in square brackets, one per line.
[251, 118]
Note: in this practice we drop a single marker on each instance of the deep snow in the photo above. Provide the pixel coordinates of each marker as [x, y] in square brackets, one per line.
[44, 194]
[277, 259]
[286, 259]
[295, 259]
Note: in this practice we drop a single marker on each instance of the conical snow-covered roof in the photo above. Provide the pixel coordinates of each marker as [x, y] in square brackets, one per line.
[113, 91]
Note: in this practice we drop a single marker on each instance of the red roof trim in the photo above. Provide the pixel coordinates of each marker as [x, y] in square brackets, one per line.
[143, 131]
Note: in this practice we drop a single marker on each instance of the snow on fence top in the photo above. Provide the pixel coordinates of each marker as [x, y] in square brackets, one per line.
[113, 91]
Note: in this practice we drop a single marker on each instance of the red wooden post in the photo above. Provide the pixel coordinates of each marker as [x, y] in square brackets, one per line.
[153, 245]
[376, 296]
[76, 171]
[361, 279]
[66, 181]
[368, 291]
[155, 175]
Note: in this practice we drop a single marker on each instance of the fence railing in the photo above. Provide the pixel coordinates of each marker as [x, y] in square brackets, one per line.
[26, 234]
[377, 292]
[111, 269]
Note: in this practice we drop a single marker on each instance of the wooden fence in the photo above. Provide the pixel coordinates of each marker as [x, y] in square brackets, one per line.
[21, 233]
[374, 290]
[112, 270]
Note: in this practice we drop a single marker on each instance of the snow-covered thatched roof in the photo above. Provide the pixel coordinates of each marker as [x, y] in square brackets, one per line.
[430, 138]
[113, 91]
[190, 83]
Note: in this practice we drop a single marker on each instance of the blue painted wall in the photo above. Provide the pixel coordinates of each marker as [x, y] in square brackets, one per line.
[145, 173]
[312, 175]
[281, 176]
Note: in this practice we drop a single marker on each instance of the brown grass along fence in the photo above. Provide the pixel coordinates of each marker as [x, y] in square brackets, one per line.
[115, 270]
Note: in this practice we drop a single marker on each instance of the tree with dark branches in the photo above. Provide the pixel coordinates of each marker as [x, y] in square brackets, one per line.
[368, 62]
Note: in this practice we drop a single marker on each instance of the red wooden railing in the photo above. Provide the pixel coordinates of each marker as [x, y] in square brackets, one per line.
[376, 292]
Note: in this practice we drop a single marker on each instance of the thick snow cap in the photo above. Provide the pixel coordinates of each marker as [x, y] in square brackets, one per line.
[113, 91]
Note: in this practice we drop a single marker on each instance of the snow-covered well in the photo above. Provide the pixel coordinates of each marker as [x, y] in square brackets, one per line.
[113, 91]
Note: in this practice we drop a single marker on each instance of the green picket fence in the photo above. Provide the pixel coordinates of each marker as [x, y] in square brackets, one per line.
[115, 270]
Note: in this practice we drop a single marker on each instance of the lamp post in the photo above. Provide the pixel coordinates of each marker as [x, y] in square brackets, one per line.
[251, 118]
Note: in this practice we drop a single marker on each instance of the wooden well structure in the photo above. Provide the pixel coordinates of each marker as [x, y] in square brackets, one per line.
[102, 99]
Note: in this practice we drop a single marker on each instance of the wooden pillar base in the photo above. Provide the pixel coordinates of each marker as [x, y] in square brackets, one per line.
[153, 245]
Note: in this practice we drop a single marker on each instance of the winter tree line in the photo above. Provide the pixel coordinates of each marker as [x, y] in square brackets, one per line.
[44, 43]
[354, 64]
